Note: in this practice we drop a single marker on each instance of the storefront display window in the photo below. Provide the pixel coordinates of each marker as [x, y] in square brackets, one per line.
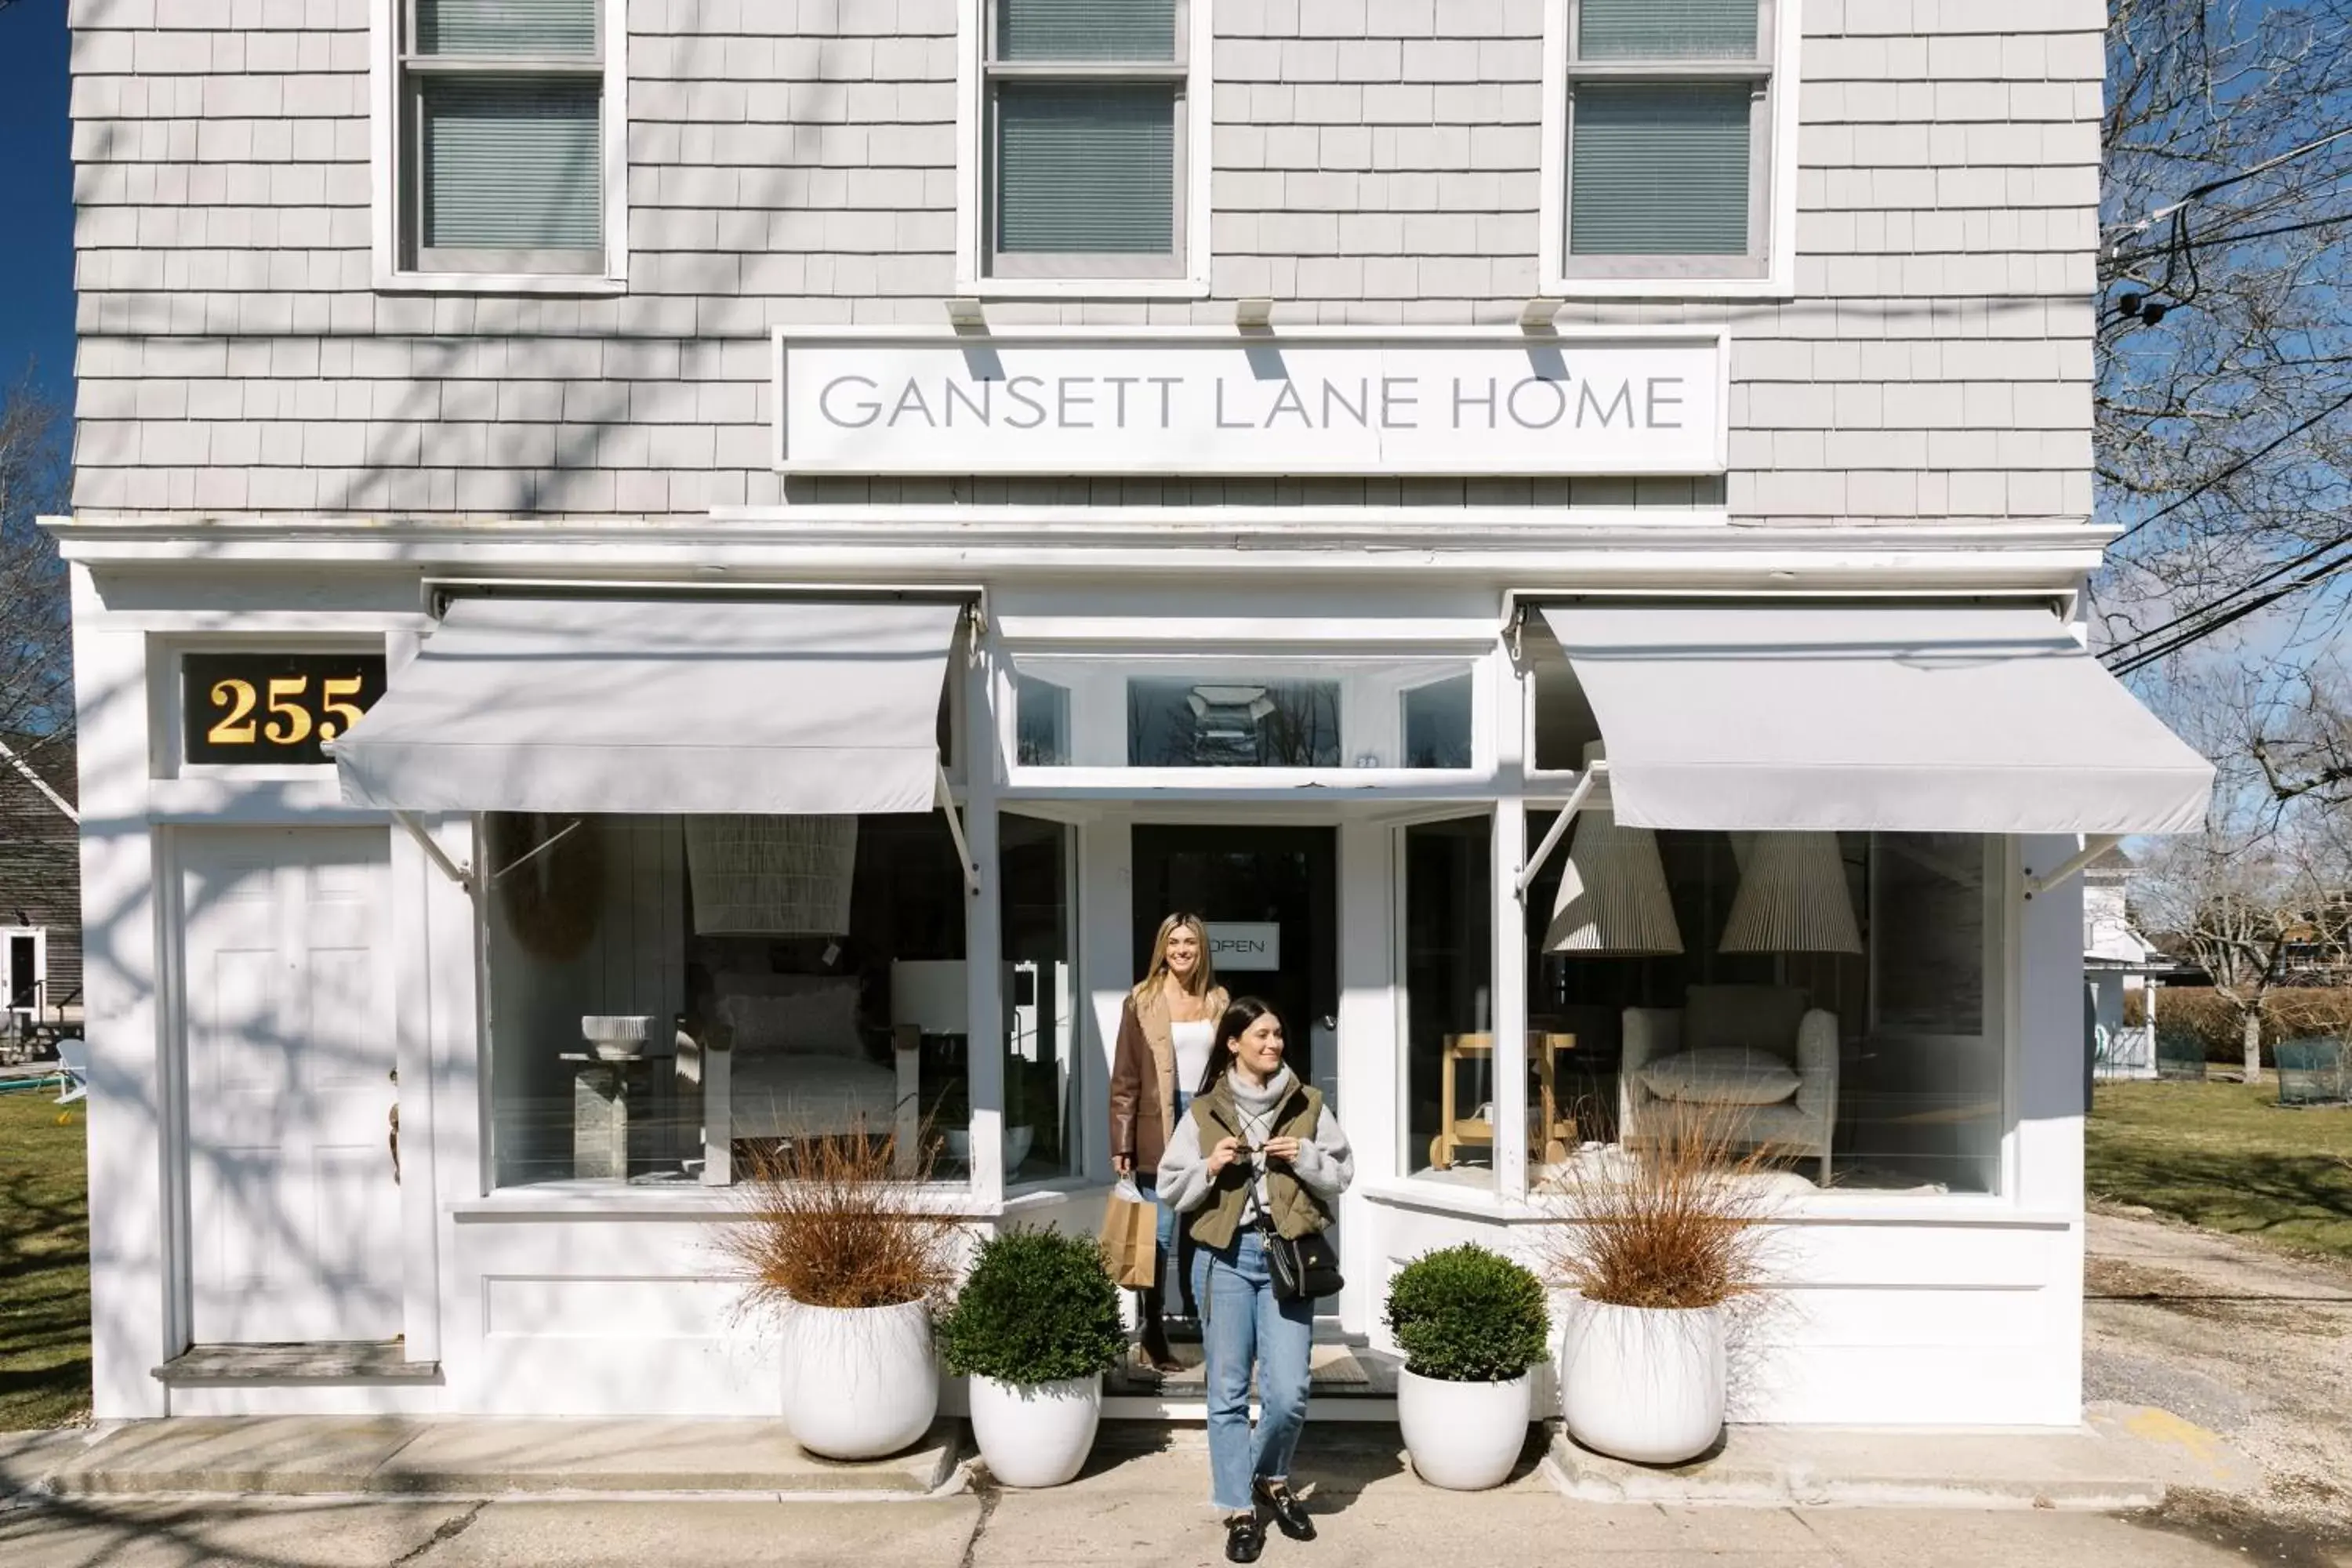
[1327, 714]
[1449, 1067]
[667, 992]
[1827, 992]
[1040, 998]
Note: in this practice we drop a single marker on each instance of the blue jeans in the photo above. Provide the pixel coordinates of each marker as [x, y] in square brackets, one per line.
[1176, 1294]
[1242, 1323]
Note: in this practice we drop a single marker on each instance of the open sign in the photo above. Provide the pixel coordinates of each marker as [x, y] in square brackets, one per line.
[1254, 945]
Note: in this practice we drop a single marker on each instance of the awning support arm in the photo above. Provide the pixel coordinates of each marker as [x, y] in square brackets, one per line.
[2093, 848]
[461, 875]
[955, 827]
[536, 850]
[1559, 827]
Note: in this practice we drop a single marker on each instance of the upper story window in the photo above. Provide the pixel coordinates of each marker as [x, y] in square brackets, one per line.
[1086, 146]
[505, 146]
[1670, 144]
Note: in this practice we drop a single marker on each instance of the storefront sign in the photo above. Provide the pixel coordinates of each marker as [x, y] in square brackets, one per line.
[273, 707]
[1334, 401]
[1255, 945]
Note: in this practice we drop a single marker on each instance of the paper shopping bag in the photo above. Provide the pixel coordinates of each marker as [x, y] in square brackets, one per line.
[1130, 1238]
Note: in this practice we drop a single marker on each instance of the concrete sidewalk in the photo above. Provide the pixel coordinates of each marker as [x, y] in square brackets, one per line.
[2124, 1459]
[1141, 1504]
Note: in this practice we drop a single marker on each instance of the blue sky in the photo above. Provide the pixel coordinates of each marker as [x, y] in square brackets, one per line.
[36, 301]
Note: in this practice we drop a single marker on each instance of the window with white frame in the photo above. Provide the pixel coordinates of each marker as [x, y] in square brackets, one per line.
[1671, 120]
[1088, 152]
[506, 118]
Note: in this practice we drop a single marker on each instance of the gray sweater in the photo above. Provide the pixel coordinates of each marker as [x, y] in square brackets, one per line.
[1325, 1165]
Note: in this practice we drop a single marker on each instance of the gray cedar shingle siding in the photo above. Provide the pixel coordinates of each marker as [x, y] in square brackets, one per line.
[40, 861]
[793, 161]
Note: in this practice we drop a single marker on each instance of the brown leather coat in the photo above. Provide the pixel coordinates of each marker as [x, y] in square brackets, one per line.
[1143, 1078]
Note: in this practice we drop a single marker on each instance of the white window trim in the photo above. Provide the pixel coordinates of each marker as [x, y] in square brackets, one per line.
[383, 135]
[1779, 279]
[971, 174]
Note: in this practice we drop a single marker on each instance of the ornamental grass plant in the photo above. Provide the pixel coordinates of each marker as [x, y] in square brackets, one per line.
[834, 1221]
[1675, 1218]
[1464, 1314]
[1037, 1307]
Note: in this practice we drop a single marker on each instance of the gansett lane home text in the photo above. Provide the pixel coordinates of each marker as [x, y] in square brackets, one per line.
[1554, 525]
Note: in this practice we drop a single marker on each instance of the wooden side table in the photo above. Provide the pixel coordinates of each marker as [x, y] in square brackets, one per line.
[1555, 1132]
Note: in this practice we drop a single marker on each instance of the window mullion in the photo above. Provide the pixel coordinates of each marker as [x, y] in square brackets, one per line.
[1670, 71]
[500, 64]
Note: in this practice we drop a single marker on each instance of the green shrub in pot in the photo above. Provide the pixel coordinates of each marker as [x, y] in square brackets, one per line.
[1034, 1325]
[1470, 1322]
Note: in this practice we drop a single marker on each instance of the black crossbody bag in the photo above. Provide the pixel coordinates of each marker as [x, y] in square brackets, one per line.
[1305, 1268]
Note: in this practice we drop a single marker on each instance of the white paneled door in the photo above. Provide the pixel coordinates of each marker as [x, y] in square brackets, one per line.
[294, 1214]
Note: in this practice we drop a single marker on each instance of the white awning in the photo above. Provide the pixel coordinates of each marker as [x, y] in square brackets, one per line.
[1965, 717]
[815, 707]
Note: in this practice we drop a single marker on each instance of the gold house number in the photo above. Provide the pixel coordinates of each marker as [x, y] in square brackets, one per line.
[275, 708]
[290, 722]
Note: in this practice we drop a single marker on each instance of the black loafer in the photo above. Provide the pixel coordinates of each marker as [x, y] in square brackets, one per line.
[1289, 1513]
[1244, 1538]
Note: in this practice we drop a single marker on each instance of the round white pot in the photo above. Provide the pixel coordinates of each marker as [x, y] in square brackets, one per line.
[1036, 1434]
[1642, 1384]
[1463, 1436]
[859, 1382]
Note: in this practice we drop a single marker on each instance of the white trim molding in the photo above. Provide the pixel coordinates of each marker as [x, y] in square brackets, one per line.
[384, 172]
[1780, 278]
[972, 175]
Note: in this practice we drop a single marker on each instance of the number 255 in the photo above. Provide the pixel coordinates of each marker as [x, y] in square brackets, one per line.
[290, 722]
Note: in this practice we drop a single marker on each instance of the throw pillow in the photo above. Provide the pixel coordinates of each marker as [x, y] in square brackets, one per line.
[1722, 1075]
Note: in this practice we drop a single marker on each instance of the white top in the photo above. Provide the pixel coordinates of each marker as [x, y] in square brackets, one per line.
[1192, 1041]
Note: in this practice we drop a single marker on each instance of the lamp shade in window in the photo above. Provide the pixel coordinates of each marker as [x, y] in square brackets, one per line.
[1792, 898]
[1612, 895]
[771, 876]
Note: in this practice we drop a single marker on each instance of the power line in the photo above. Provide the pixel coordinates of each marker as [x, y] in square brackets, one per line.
[2237, 467]
[2123, 649]
[2198, 633]
[2199, 193]
[2126, 258]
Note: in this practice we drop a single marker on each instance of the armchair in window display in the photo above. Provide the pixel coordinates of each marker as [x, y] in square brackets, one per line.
[1757, 1047]
[781, 1056]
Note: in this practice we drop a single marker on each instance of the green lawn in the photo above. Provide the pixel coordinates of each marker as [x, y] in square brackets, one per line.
[44, 1264]
[2226, 1157]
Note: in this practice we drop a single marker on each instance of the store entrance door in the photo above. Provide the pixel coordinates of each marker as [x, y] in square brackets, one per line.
[1270, 897]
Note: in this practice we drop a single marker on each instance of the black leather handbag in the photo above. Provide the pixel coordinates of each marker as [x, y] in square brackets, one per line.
[1305, 1268]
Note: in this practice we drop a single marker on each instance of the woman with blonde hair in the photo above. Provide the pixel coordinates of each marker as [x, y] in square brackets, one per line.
[1165, 1029]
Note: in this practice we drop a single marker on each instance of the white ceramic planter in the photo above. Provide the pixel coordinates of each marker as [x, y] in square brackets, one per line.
[1463, 1436]
[1640, 1383]
[859, 1382]
[1036, 1434]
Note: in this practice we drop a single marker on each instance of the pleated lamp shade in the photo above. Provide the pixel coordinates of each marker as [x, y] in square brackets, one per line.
[1792, 898]
[1612, 895]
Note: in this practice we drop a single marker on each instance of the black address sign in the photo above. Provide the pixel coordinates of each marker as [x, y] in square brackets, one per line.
[273, 706]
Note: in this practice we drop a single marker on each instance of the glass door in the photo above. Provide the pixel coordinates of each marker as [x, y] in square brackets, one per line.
[1270, 898]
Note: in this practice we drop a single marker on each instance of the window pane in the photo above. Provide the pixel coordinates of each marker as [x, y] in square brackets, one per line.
[1449, 968]
[1086, 29]
[513, 163]
[506, 27]
[1660, 169]
[1040, 725]
[1218, 724]
[1041, 1015]
[791, 976]
[1437, 724]
[1930, 914]
[1086, 169]
[1666, 29]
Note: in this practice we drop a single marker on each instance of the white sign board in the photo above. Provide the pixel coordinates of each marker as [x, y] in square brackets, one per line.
[1334, 401]
[1245, 945]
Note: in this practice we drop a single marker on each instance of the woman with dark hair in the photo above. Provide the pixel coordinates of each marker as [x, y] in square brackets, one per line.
[1257, 1154]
